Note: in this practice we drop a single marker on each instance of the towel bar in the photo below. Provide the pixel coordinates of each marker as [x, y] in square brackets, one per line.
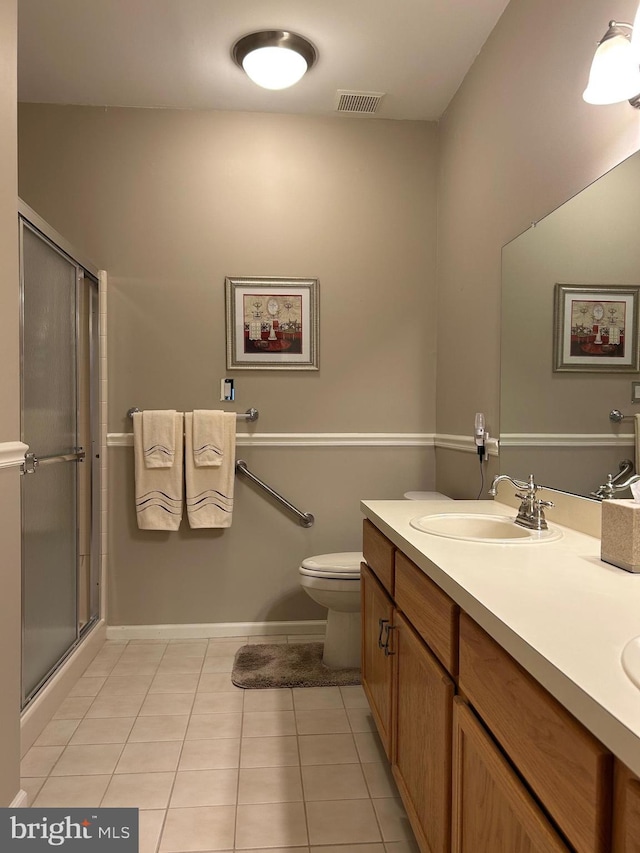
[250, 415]
[305, 518]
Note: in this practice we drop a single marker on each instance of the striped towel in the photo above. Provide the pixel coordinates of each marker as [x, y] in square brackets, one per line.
[208, 438]
[158, 491]
[158, 437]
[210, 490]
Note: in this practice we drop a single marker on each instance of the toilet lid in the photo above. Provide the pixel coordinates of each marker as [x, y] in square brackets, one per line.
[345, 565]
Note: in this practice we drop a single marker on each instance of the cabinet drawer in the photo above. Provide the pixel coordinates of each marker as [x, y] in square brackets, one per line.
[566, 767]
[430, 610]
[378, 552]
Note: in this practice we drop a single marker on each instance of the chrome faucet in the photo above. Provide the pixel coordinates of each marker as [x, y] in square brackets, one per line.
[608, 489]
[531, 511]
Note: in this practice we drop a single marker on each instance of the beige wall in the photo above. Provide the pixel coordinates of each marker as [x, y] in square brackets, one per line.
[515, 143]
[179, 200]
[9, 415]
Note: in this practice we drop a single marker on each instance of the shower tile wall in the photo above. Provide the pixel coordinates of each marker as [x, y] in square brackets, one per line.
[160, 726]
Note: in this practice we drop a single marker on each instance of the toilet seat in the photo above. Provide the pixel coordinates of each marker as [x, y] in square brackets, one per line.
[343, 566]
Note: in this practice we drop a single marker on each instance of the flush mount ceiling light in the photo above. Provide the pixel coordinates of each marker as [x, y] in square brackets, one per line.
[274, 59]
[615, 70]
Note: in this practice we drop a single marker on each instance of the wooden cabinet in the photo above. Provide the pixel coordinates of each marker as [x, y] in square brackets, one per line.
[409, 690]
[379, 554]
[626, 811]
[430, 610]
[492, 810]
[377, 661]
[526, 776]
[565, 766]
[421, 752]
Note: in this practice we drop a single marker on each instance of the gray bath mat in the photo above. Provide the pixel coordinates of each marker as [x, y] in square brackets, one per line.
[282, 665]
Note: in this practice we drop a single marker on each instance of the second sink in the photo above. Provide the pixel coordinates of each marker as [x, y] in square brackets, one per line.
[474, 527]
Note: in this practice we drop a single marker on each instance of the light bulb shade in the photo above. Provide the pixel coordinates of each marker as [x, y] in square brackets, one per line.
[615, 73]
[274, 67]
[274, 59]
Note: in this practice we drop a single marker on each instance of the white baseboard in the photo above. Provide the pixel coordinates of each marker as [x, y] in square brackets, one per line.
[214, 629]
[40, 711]
[20, 801]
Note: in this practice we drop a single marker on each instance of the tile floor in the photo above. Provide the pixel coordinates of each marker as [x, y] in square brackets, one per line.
[159, 726]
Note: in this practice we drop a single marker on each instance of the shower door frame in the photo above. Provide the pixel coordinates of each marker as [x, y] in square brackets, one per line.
[28, 218]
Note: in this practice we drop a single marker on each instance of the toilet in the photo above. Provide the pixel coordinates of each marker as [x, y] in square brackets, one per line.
[333, 581]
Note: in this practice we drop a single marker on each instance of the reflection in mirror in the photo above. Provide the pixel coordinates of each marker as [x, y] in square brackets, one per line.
[554, 423]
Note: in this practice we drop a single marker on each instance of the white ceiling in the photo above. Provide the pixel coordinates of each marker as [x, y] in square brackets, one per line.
[176, 53]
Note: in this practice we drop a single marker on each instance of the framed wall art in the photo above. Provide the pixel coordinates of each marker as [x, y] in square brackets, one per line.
[595, 328]
[272, 323]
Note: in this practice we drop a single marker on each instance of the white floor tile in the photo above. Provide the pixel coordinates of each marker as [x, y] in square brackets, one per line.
[342, 822]
[139, 790]
[214, 768]
[271, 825]
[206, 828]
[72, 792]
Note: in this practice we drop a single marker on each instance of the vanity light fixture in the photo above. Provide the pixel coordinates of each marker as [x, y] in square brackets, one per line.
[274, 59]
[615, 70]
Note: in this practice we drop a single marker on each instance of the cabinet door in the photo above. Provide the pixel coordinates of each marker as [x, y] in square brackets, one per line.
[422, 738]
[626, 812]
[492, 810]
[377, 661]
[568, 770]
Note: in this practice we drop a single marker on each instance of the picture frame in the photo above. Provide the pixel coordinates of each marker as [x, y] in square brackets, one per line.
[272, 323]
[595, 328]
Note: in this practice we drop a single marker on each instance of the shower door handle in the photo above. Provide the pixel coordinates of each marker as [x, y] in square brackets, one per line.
[32, 462]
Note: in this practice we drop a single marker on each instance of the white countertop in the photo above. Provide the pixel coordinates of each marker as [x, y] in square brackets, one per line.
[561, 612]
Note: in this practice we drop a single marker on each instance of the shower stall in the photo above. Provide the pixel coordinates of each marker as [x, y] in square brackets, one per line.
[60, 483]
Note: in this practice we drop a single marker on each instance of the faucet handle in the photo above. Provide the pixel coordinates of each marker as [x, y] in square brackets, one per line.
[542, 503]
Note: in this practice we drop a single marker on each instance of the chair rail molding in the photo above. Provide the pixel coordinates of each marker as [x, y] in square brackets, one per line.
[310, 439]
[566, 439]
[12, 453]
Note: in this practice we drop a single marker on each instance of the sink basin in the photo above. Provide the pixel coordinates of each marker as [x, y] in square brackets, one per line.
[631, 660]
[474, 527]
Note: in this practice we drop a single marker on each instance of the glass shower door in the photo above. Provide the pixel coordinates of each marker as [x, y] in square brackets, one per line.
[50, 480]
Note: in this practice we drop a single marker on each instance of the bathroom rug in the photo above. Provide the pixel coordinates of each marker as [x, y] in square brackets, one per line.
[281, 665]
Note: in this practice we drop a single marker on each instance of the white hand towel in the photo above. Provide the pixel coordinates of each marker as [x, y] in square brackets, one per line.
[158, 490]
[158, 428]
[208, 438]
[210, 490]
[636, 424]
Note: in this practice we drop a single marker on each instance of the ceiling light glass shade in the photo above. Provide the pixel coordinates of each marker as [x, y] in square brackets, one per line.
[274, 59]
[615, 73]
[274, 67]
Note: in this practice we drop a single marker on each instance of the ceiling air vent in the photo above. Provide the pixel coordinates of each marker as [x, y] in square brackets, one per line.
[362, 103]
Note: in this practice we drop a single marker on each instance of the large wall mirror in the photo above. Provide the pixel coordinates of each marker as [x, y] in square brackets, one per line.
[555, 423]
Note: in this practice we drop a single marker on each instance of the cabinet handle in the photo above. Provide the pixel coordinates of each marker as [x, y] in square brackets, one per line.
[382, 623]
[385, 646]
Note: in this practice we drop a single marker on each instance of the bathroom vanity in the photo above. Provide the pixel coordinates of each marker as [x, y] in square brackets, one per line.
[495, 680]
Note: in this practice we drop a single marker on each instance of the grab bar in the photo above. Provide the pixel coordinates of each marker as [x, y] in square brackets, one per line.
[624, 470]
[250, 415]
[616, 416]
[305, 518]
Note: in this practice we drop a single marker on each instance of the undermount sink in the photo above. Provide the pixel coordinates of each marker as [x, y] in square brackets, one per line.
[474, 527]
[631, 660]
